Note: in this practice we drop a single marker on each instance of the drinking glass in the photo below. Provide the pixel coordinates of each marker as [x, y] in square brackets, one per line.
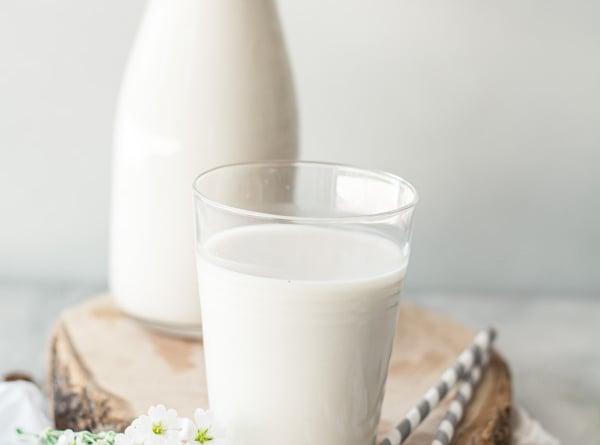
[300, 268]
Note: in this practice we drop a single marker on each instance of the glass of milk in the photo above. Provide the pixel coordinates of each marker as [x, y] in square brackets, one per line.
[300, 269]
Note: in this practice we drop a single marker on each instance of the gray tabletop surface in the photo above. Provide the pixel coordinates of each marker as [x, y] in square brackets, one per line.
[551, 343]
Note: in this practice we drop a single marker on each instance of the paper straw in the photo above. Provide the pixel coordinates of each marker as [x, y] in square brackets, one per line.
[435, 394]
[459, 404]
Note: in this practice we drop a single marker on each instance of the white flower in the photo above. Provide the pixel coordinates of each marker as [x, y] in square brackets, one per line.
[204, 430]
[160, 427]
[68, 437]
[132, 436]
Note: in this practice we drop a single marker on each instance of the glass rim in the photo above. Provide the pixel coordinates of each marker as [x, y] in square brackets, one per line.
[375, 173]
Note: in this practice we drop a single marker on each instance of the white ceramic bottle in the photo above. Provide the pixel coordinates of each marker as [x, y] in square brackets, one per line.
[208, 83]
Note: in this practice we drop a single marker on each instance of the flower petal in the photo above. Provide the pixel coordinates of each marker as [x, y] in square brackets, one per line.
[204, 419]
[157, 412]
[188, 430]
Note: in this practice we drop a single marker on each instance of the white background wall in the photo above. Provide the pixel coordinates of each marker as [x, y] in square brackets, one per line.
[490, 108]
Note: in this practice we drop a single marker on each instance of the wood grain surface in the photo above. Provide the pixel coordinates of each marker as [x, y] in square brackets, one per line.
[106, 369]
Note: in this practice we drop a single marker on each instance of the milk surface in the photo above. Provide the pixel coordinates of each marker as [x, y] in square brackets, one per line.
[298, 323]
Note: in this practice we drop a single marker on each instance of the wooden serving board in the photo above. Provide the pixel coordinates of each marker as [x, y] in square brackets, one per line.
[106, 369]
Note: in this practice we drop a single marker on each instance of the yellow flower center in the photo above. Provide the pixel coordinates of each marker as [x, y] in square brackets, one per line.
[202, 436]
[158, 428]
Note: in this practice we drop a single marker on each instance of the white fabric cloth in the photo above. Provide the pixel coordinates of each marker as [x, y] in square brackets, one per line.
[22, 405]
[528, 431]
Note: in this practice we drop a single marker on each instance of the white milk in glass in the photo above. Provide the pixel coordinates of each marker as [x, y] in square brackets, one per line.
[299, 323]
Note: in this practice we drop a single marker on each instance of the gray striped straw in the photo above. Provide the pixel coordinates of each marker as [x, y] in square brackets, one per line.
[458, 405]
[435, 394]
